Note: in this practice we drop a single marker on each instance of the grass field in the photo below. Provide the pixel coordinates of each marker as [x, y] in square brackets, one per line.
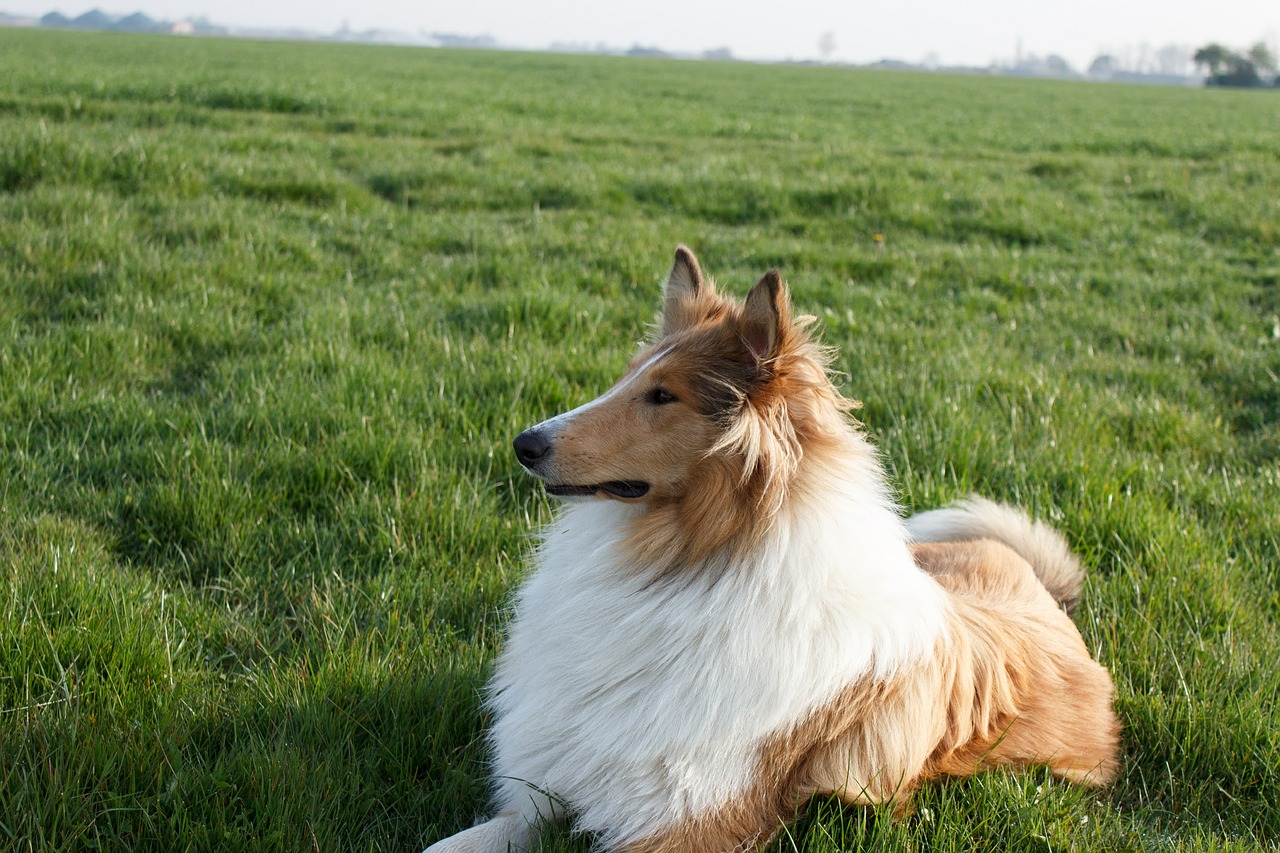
[270, 315]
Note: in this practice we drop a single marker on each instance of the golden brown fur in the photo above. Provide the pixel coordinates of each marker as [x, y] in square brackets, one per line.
[1022, 687]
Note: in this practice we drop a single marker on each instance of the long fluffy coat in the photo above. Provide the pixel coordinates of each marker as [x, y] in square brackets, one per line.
[732, 617]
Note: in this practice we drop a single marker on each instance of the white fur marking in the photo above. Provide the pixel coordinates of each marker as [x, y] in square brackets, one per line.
[560, 421]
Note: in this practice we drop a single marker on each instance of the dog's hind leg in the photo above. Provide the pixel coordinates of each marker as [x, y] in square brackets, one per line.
[1022, 686]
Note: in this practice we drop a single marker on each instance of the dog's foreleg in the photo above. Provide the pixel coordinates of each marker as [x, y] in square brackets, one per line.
[509, 832]
[515, 829]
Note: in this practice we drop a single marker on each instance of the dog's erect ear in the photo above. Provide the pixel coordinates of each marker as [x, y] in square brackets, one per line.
[684, 288]
[763, 316]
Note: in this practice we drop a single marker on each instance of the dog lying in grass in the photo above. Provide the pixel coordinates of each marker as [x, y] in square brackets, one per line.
[728, 615]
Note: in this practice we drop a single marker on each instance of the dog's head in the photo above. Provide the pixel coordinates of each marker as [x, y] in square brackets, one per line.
[709, 420]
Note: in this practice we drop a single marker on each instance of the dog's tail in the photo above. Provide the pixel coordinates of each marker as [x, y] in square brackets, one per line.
[1038, 543]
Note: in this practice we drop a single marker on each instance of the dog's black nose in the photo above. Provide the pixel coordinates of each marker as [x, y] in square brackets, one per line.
[531, 446]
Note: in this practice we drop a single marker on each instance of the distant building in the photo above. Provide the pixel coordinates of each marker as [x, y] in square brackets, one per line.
[183, 28]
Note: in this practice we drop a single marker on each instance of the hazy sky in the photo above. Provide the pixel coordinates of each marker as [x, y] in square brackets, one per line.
[975, 32]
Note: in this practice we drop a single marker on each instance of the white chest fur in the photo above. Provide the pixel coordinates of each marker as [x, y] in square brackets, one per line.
[638, 703]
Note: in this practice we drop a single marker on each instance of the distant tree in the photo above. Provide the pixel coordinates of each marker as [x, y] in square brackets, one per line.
[205, 26]
[1240, 72]
[1228, 68]
[1262, 58]
[827, 45]
[1144, 63]
[94, 19]
[647, 52]
[137, 23]
[1213, 57]
[1173, 60]
[1104, 67]
[1056, 66]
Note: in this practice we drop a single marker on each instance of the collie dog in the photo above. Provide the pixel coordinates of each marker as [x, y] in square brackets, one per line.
[729, 616]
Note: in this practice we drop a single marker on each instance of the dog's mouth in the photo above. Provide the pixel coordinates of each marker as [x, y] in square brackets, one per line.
[625, 489]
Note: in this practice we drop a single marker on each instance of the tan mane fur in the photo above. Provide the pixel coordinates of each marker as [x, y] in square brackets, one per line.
[775, 408]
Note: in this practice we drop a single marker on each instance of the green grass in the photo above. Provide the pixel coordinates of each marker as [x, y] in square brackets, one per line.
[271, 313]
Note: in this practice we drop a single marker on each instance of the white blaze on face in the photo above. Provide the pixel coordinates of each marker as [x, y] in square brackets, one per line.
[625, 388]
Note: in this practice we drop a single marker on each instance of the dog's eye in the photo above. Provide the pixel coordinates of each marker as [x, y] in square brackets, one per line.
[661, 396]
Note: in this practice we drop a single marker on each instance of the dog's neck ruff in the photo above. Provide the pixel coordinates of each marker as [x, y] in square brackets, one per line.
[639, 702]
